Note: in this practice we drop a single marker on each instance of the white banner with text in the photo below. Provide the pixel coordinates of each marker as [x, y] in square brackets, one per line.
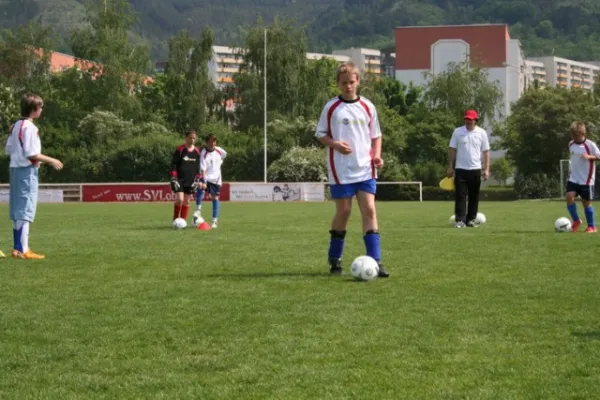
[277, 191]
[44, 196]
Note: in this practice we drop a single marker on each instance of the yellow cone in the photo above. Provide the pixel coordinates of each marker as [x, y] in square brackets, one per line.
[447, 183]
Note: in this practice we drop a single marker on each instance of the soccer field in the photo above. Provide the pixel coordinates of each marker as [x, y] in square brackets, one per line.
[127, 307]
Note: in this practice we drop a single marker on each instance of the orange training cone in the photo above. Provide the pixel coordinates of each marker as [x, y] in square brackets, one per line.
[204, 226]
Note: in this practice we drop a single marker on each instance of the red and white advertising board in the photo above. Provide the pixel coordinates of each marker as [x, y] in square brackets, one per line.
[143, 192]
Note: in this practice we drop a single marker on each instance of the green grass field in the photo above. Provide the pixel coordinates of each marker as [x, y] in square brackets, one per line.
[126, 307]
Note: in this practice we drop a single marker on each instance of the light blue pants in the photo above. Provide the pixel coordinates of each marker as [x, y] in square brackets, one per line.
[23, 193]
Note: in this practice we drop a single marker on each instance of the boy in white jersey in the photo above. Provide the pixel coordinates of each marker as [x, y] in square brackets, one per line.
[25, 150]
[349, 128]
[211, 159]
[584, 153]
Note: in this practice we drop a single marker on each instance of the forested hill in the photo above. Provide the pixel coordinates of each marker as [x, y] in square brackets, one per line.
[566, 28]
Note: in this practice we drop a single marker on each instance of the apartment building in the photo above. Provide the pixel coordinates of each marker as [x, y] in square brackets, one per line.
[224, 65]
[568, 73]
[226, 62]
[367, 60]
[536, 73]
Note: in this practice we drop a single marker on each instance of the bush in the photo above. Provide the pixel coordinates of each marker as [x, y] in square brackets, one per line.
[299, 164]
[141, 159]
[430, 173]
[535, 186]
[434, 193]
[393, 171]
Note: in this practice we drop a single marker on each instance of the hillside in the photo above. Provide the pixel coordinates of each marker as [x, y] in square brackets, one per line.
[570, 29]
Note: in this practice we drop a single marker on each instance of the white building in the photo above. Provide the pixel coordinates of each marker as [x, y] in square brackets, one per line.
[422, 49]
[367, 60]
[568, 73]
[536, 72]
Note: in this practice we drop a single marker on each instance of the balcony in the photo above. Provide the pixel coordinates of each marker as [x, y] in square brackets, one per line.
[229, 60]
[373, 70]
[231, 70]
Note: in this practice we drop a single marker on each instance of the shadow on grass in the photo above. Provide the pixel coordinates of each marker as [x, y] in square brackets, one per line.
[262, 275]
[266, 275]
[591, 335]
[163, 228]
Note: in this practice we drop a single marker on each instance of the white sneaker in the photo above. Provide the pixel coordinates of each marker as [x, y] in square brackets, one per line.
[214, 225]
[197, 218]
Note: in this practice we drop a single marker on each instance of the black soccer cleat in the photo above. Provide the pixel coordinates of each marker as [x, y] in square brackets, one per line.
[382, 272]
[335, 266]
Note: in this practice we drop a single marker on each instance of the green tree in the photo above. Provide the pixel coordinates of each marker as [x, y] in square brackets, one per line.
[318, 86]
[501, 170]
[118, 66]
[286, 71]
[9, 110]
[25, 57]
[185, 91]
[398, 96]
[537, 131]
[428, 135]
[462, 87]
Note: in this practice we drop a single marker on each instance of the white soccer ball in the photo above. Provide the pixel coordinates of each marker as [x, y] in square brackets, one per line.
[480, 219]
[562, 225]
[197, 221]
[452, 220]
[364, 268]
[179, 223]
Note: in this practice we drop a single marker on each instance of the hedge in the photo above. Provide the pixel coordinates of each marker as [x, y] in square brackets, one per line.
[432, 193]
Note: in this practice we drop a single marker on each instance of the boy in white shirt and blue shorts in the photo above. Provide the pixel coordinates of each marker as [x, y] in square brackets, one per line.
[349, 128]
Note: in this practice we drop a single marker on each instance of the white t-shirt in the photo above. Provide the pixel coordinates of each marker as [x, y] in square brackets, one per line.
[583, 172]
[23, 142]
[469, 145]
[356, 123]
[210, 163]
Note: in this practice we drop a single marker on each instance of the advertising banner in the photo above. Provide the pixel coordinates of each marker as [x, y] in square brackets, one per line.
[277, 192]
[44, 196]
[137, 193]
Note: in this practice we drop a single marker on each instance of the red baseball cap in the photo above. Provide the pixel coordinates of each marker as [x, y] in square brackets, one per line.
[471, 114]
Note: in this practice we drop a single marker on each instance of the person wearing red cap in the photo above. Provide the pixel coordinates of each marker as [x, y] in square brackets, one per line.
[467, 145]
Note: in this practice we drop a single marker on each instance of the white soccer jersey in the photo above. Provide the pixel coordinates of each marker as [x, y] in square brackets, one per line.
[23, 142]
[583, 172]
[356, 123]
[210, 164]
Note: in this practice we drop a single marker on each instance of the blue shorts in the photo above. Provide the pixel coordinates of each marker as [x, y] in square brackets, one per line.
[586, 192]
[22, 201]
[343, 191]
[213, 188]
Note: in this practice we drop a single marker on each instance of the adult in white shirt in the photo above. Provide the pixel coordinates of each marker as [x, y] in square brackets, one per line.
[468, 145]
